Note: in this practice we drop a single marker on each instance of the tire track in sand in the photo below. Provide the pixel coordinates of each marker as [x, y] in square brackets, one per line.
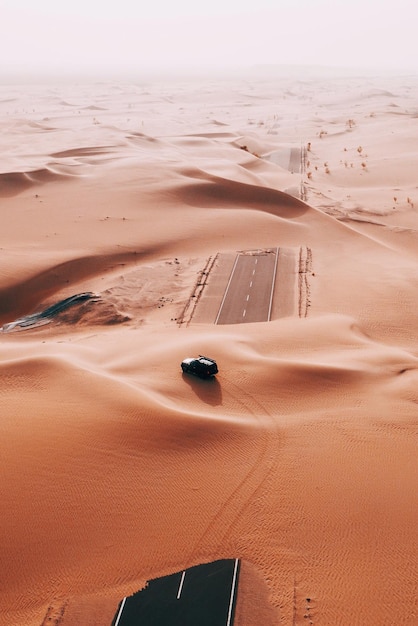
[264, 464]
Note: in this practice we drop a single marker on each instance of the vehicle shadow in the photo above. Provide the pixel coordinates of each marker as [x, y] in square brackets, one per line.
[208, 389]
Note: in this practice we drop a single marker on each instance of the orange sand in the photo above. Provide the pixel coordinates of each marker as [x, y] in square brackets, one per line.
[301, 458]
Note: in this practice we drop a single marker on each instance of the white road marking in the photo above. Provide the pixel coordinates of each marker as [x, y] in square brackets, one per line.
[250, 286]
[120, 612]
[180, 585]
[231, 600]
[226, 290]
[273, 284]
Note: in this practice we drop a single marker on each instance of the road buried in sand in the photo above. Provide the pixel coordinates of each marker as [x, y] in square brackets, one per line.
[203, 595]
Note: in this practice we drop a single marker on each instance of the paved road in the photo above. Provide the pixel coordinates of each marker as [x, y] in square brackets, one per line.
[45, 316]
[248, 296]
[287, 158]
[204, 595]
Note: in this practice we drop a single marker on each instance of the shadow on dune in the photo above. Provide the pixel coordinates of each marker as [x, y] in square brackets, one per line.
[208, 390]
[14, 183]
[216, 192]
[84, 152]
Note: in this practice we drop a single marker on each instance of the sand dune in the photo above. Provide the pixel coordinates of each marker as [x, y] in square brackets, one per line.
[13, 183]
[300, 458]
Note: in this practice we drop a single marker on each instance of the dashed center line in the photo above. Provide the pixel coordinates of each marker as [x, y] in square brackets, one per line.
[257, 298]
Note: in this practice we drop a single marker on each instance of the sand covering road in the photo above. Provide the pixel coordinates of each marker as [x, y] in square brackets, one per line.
[300, 458]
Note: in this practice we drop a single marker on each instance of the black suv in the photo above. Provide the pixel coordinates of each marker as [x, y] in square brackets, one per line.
[203, 366]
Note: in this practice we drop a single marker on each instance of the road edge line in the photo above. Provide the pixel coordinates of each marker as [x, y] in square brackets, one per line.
[231, 600]
[226, 289]
[120, 611]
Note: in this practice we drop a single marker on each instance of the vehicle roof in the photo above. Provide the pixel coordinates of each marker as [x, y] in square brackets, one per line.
[206, 361]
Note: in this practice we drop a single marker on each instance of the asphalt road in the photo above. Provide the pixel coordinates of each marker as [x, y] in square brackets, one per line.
[204, 595]
[249, 293]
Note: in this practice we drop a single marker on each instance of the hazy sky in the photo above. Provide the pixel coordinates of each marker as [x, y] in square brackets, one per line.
[114, 35]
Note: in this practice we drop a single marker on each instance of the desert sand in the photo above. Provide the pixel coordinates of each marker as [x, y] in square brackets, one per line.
[301, 458]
